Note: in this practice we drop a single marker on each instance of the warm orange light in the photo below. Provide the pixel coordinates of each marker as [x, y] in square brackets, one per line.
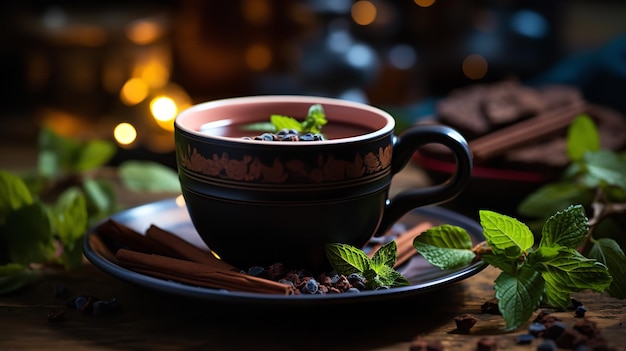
[256, 11]
[144, 32]
[258, 57]
[164, 111]
[363, 12]
[134, 91]
[475, 66]
[124, 133]
[424, 3]
[154, 73]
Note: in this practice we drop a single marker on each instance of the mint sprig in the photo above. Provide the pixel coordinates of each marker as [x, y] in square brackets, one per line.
[595, 179]
[313, 123]
[44, 216]
[531, 274]
[378, 271]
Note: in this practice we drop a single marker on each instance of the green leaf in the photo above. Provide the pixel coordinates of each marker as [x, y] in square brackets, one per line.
[571, 271]
[14, 276]
[384, 276]
[503, 263]
[94, 154]
[347, 259]
[149, 176]
[505, 235]
[101, 198]
[57, 154]
[605, 166]
[28, 231]
[445, 246]
[71, 217]
[316, 118]
[582, 136]
[518, 295]
[608, 252]
[553, 197]
[542, 254]
[285, 122]
[386, 255]
[567, 228]
[13, 194]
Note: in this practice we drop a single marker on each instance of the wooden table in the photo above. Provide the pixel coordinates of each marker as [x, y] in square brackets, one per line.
[158, 321]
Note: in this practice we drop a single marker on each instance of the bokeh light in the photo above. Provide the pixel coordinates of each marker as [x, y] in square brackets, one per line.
[164, 111]
[424, 3]
[363, 12]
[143, 32]
[475, 66]
[124, 133]
[258, 57]
[134, 91]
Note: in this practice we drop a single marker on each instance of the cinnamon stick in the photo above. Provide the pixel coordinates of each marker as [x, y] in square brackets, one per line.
[130, 238]
[404, 243]
[183, 249]
[197, 273]
[531, 130]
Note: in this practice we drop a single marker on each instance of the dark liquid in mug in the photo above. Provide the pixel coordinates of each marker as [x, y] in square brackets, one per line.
[332, 130]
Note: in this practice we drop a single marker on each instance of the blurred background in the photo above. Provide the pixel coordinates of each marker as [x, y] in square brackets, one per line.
[121, 70]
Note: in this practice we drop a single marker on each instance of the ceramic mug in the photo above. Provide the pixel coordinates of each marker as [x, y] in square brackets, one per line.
[256, 203]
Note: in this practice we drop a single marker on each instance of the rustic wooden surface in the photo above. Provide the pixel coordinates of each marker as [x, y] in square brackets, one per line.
[157, 321]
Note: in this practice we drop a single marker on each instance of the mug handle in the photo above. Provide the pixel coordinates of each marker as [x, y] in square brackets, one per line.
[404, 147]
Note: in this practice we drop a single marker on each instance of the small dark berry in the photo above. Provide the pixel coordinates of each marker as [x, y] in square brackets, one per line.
[536, 328]
[580, 311]
[310, 287]
[547, 345]
[524, 339]
[256, 271]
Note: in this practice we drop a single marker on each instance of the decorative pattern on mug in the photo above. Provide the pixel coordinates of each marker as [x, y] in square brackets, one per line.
[251, 169]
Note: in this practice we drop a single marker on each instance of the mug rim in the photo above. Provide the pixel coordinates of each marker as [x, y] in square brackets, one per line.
[388, 127]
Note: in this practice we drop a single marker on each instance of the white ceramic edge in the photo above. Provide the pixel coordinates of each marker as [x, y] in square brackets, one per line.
[389, 126]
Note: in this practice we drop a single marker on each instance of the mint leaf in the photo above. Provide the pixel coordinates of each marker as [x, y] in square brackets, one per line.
[503, 263]
[582, 136]
[56, 153]
[378, 271]
[608, 252]
[542, 254]
[505, 235]
[553, 197]
[445, 246]
[100, 197]
[384, 276]
[285, 122]
[386, 255]
[347, 259]
[571, 271]
[94, 154]
[518, 295]
[71, 222]
[565, 228]
[28, 232]
[605, 166]
[313, 123]
[148, 176]
[13, 194]
[315, 119]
